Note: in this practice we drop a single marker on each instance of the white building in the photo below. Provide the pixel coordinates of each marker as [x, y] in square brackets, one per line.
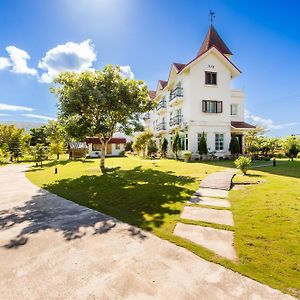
[197, 98]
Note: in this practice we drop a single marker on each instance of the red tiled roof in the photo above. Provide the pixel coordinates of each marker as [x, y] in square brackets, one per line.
[179, 66]
[152, 94]
[96, 140]
[241, 125]
[163, 83]
[213, 39]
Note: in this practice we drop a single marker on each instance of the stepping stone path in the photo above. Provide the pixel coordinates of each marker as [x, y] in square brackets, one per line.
[219, 241]
[217, 216]
[213, 191]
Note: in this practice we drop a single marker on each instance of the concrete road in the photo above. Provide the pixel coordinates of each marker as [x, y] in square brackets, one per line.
[51, 248]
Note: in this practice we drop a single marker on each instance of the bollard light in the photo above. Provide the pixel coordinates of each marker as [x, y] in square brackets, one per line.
[274, 162]
[55, 170]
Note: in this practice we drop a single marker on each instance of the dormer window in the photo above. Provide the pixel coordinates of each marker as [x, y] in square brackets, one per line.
[211, 78]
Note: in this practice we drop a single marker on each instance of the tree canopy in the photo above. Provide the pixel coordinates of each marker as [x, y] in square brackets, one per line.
[100, 103]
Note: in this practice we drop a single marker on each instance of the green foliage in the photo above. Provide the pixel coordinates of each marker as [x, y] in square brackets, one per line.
[141, 140]
[100, 103]
[4, 153]
[234, 146]
[128, 146]
[151, 148]
[39, 136]
[291, 146]
[164, 147]
[56, 136]
[202, 145]
[40, 152]
[176, 145]
[243, 163]
[13, 140]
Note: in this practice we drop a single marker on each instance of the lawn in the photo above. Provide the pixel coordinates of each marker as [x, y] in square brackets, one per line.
[151, 194]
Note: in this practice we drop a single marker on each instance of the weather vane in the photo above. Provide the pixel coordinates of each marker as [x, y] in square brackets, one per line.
[211, 16]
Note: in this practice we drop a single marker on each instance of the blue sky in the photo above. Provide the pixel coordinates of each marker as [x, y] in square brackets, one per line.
[148, 36]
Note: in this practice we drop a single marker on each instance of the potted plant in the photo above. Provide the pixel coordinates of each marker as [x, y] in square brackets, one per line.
[186, 155]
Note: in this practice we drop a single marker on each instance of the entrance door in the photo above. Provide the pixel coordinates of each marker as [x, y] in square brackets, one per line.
[109, 149]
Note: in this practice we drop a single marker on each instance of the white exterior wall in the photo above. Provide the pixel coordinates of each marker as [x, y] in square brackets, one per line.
[194, 91]
[114, 152]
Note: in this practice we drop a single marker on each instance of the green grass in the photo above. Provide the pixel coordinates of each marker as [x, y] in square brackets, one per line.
[151, 194]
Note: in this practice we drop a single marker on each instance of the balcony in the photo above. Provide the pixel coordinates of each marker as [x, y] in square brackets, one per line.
[146, 116]
[161, 126]
[176, 120]
[161, 106]
[176, 96]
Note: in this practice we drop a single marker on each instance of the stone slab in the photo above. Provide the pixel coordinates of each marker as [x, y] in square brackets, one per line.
[219, 180]
[217, 216]
[216, 240]
[205, 192]
[210, 201]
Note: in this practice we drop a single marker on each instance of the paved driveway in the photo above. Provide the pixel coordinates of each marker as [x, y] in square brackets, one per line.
[51, 248]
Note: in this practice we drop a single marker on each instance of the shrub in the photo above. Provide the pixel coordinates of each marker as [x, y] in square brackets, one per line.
[234, 145]
[164, 147]
[176, 147]
[122, 153]
[202, 146]
[151, 148]
[243, 163]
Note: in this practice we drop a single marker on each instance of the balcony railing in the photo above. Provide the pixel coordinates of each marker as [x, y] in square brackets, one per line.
[176, 120]
[177, 92]
[161, 126]
[161, 104]
[146, 116]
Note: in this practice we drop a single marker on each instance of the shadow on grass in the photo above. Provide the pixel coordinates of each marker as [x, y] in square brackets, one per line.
[141, 197]
[144, 198]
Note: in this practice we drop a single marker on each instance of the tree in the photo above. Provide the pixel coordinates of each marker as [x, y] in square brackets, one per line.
[4, 153]
[40, 152]
[243, 163]
[176, 145]
[128, 146]
[251, 138]
[56, 137]
[164, 147]
[234, 146]
[141, 140]
[292, 147]
[100, 103]
[151, 148]
[14, 139]
[39, 136]
[202, 145]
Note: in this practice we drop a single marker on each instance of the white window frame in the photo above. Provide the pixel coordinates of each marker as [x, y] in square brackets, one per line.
[218, 142]
[234, 109]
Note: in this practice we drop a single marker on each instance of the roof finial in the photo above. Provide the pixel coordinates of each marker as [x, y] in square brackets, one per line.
[211, 16]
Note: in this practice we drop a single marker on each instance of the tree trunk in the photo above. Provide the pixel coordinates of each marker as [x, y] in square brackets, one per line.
[102, 158]
[58, 156]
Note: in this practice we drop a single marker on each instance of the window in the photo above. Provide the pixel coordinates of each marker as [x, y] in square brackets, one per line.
[211, 106]
[219, 141]
[118, 146]
[96, 147]
[211, 78]
[233, 109]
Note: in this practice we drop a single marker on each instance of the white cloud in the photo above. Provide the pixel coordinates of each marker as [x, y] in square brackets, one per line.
[34, 116]
[4, 63]
[4, 115]
[126, 72]
[68, 57]
[14, 107]
[19, 59]
[267, 123]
